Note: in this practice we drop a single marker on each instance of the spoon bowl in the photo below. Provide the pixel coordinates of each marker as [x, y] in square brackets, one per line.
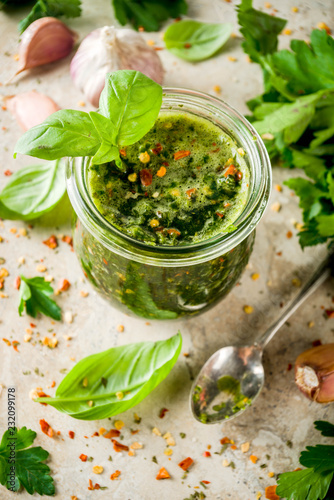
[227, 384]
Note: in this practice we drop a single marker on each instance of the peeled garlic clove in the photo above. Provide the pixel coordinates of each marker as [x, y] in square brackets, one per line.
[44, 41]
[109, 49]
[314, 373]
[30, 108]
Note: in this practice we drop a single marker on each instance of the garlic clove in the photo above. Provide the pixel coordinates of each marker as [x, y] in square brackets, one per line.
[30, 108]
[314, 373]
[44, 41]
[109, 49]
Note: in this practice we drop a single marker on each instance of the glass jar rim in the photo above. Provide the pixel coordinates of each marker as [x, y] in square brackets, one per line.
[241, 130]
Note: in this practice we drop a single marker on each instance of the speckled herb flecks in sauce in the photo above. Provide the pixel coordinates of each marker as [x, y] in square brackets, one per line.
[186, 182]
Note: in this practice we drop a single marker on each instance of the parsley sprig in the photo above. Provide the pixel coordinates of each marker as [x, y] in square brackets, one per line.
[316, 481]
[295, 114]
[35, 297]
[26, 469]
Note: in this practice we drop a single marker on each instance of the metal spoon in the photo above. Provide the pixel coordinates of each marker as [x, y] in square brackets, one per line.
[233, 377]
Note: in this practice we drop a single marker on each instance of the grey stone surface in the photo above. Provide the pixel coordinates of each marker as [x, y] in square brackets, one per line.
[281, 414]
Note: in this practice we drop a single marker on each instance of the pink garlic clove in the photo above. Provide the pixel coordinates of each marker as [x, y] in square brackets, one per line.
[30, 108]
[44, 41]
[106, 50]
[314, 373]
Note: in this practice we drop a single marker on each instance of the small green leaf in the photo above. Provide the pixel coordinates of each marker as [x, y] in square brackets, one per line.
[33, 191]
[132, 102]
[34, 296]
[196, 41]
[64, 133]
[29, 470]
[326, 428]
[319, 457]
[129, 373]
[51, 8]
[303, 485]
[106, 153]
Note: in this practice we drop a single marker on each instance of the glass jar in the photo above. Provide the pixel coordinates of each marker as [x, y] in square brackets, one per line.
[163, 282]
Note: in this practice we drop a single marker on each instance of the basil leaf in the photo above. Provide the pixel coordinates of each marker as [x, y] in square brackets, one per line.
[131, 101]
[195, 41]
[33, 191]
[64, 133]
[130, 372]
[107, 153]
[34, 296]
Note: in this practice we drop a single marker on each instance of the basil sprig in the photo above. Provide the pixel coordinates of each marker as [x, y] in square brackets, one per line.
[33, 191]
[129, 106]
[110, 382]
[195, 41]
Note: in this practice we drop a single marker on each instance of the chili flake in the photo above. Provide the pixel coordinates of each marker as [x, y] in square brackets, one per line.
[206, 454]
[51, 242]
[145, 177]
[115, 475]
[112, 433]
[270, 493]
[118, 446]
[163, 412]
[64, 286]
[181, 154]
[46, 428]
[186, 463]
[253, 459]
[163, 474]
[83, 457]
[71, 434]
[161, 172]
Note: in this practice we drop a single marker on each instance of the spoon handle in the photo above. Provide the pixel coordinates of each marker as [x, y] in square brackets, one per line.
[320, 275]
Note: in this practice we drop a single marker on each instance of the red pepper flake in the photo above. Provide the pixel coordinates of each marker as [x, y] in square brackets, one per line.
[206, 482]
[157, 150]
[146, 177]
[64, 286]
[165, 163]
[163, 412]
[8, 342]
[122, 152]
[225, 440]
[317, 342]
[105, 262]
[42, 394]
[181, 154]
[15, 343]
[330, 313]
[289, 368]
[118, 446]
[289, 234]
[206, 454]
[163, 474]
[115, 475]
[17, 283]
[270, 493]
[215, 150]
[134, 431]
[53, 383]
[186, 463]
[71, 434]
[8, 173]
[190, 193]
[32, 325]
[92, 486]
[220, 214]
[230, 171]
[173, 231]
[46, 428]
[68, 240]
[95, 434]
[233, 447]
[112, 433]
[51, 242]
[187, 45]
[83, 457]
[158, 48]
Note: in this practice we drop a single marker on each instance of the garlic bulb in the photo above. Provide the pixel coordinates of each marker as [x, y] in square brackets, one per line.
[314, 373]
[109, 49]
[30, 108]
[44, 41]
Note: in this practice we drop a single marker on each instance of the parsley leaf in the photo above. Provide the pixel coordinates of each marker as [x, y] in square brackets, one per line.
[303, 484]
[51, 8]
[29, 470]
[319, 457]
[35, 297]
[295, 114]
[326, 428]
[148, 14]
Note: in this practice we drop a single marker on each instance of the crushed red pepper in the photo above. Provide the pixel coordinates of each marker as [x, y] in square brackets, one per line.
[146, 177]
[162, 474]
[186, 463]
[119, 446]
[163, 412]
[317, 342]
[71, 434]
[68, 240]
[92, 486]
[64, 286]
[112, 433]
[17, 282]
[115, 475]
[157, 150]
[83, 457]
[270, 493]
[51, 242]
[181, 154]
[206, 454]
[42, 394]
[46, 428]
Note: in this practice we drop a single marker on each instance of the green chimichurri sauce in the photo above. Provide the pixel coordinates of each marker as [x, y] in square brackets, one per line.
[186, 181]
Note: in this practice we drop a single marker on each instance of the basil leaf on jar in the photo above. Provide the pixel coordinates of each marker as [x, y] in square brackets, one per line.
[196, 41]
[111, 382]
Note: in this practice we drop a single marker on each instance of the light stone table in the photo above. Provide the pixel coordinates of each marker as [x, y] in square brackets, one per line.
[281, 415]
